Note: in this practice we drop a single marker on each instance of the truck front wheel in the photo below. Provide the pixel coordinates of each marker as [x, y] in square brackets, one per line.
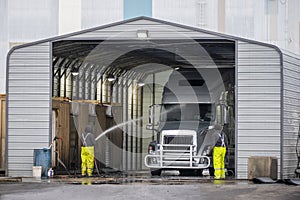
[186, 172]
[155, 172]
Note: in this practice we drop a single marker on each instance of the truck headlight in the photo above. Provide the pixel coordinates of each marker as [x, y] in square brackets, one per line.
[150, 149]
[201, 161]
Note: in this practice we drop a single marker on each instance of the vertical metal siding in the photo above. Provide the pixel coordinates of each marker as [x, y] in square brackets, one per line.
[291, 112]
[28, 105]
[258, 110]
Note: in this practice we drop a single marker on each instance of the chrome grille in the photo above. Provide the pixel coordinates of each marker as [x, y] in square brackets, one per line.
[178, 139]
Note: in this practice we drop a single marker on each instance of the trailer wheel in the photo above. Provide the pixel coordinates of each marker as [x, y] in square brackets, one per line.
[156, 172]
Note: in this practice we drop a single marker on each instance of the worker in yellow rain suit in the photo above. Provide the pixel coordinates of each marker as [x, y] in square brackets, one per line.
[87, 151]
[219, 153]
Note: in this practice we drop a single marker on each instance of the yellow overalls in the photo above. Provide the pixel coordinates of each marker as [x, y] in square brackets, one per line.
[87, 158]
[219, 159]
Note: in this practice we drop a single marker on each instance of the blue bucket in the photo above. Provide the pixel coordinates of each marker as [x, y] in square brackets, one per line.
[42, 157]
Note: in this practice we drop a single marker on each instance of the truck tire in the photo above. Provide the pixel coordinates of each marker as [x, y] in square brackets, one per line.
[155, 172]
[198, 172]
[211, 171]
[186, 172]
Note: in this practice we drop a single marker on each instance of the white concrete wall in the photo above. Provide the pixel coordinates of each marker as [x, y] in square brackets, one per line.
[274, 21]
[3, 44]
[200, 13]
[179, 11]
[293, 35]
[24, 21]
[95, 12]
[32, 20]
[69, 16]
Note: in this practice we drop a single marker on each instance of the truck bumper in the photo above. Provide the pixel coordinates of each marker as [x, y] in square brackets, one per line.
[153, 161]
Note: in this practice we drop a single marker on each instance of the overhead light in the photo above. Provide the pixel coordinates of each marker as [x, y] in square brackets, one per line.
[140, 83]
[110, 77]
[177, 68]
[142, 34]
[75, 73]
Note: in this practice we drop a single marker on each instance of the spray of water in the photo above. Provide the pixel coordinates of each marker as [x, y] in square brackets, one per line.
[128, 122]
[117, 126]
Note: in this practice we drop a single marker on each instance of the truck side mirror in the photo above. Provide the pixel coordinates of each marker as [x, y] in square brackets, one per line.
[154, 112]
[151, 114]
[225, 115]
[222, 114]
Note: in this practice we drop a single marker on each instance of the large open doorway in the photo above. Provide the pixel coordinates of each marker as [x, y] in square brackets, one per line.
[111, 84]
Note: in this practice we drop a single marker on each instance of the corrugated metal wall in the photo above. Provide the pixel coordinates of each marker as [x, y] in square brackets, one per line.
[29, 94]
[2, 131]
[291, 112]
[258, 104]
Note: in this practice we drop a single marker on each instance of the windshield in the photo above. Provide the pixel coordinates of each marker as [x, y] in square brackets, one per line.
[187, 112]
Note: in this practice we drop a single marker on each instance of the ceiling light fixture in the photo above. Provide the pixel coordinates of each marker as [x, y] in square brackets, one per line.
[140, 83]
[75, 71]
[142, 34]
[110, 77]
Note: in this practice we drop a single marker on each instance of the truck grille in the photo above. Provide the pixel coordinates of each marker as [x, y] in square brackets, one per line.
[169, 139]
[177, 150]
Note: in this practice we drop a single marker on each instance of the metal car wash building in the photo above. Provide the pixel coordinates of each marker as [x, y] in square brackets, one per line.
[77, 68]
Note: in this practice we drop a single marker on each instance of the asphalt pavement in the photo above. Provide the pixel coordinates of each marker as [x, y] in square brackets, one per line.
[131, 187]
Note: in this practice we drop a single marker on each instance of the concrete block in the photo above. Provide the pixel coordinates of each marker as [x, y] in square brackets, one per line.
[262, 166]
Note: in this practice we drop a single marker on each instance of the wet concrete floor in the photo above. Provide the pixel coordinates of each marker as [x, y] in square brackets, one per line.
[144, 187]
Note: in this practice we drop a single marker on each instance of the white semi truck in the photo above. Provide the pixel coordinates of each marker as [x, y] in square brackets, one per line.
[189, 110]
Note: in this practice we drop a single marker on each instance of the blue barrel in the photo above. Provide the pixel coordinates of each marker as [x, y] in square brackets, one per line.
[42, 157]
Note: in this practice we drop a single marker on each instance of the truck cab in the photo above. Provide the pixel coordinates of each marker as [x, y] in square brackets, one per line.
[187, 113]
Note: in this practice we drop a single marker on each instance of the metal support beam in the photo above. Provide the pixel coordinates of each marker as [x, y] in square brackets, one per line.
[132, 127]
[101, 89]
[125, 103]
[141, 126]
[153, 102]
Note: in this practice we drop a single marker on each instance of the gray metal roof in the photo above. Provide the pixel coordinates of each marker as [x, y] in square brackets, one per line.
[69, 48]
[225, 36]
